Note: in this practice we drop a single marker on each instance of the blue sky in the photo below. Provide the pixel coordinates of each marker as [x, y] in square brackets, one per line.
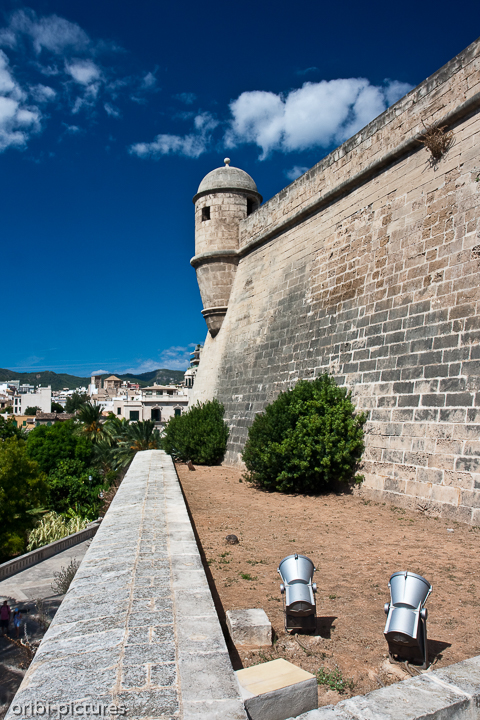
[111, 112]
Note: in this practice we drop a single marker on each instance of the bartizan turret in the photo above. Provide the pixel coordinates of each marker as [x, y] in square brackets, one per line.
[224, 198]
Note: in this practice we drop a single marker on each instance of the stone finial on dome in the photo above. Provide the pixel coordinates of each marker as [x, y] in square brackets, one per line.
[227, 161]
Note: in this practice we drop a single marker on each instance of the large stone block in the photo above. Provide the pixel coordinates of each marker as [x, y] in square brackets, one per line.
[277, 690]
[249, 627]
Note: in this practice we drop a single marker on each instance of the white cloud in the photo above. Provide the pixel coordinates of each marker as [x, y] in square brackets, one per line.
[295, 172]
[187, 97]
[99, 372]
[149, 81]
[112, 110]
[51, 33]
[42, 93]
[191, 145]
[317, 114]
[72, 129]
[83, 72]
[173, 358]
[79, 77]
[395, 90]
[18, 118]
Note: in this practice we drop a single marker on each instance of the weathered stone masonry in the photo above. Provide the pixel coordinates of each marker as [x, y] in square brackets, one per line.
[368, 266]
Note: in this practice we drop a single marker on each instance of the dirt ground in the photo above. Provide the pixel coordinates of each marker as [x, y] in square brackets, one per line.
[356, 545]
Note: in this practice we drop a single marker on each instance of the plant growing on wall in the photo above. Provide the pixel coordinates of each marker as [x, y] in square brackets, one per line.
[436, 140]
[307, 439]
[199, 435]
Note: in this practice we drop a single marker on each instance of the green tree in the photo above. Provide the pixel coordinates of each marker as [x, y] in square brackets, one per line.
[199, 435]
[22, 490]
[31, 410]
[8, 429]
[57, 408]
[90, 416]
[7, 409]
[75, 402]
[49, 445]
[307, 439]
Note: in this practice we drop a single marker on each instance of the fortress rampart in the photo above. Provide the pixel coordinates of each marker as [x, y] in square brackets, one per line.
[368, 267]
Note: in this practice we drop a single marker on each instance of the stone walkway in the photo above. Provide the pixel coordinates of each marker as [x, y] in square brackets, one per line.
[137, 633]
[36, 581]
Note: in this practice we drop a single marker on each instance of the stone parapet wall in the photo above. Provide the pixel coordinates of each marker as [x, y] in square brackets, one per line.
[137, 635]
[379, 286]
[452, 692]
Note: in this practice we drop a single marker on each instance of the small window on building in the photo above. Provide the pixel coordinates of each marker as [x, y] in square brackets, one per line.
[24, 422]
[134, 414]
[156, 415]
[119, 411]
[206, 213]
[178, 412]
[251, 206]
[159, 392]
[169, 392]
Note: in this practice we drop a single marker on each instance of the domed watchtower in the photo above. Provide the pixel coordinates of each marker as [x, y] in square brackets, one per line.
[224, 198]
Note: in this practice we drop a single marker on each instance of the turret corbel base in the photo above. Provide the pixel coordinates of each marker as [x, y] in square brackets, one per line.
[214, 318]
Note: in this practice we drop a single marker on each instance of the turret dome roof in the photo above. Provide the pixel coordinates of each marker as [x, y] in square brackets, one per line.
[228, 178]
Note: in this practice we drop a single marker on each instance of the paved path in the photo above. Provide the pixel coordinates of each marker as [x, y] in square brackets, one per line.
[138, 628]
[36, 581]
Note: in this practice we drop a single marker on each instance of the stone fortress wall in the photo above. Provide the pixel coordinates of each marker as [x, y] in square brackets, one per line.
[368, 267]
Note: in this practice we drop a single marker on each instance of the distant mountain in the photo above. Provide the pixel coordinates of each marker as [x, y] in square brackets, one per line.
[45, 377]
[60, 381]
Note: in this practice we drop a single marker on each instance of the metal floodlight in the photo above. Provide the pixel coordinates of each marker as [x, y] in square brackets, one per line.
[298, 592]
[406, 626]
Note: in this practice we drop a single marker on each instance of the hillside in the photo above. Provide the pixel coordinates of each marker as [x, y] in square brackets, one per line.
[59, 381]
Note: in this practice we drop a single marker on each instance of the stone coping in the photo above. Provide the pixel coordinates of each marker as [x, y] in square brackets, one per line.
[137, 634]
[12, 567]
[451, 692]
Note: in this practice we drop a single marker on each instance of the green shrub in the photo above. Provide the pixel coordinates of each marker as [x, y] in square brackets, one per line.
[309, 438]
[199, 435]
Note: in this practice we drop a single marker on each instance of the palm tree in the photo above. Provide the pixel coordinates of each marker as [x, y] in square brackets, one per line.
[137, 436]
[90, 417]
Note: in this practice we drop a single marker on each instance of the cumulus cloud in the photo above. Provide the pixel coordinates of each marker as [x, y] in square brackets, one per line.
[173, 358]
[51, 33]
[83, 72]
[18, 117]
[42, 93]
[82, 78]
[295, 172]
[190, 145]
[317, 114]
[99, 372]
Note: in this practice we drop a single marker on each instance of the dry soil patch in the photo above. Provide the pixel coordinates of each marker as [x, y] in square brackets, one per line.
[356, 545]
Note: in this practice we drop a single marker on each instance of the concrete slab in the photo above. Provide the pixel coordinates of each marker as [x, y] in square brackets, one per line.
[277, 690]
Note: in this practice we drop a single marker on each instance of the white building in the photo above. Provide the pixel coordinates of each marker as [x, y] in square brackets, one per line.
[158, 403]
[41, 399]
